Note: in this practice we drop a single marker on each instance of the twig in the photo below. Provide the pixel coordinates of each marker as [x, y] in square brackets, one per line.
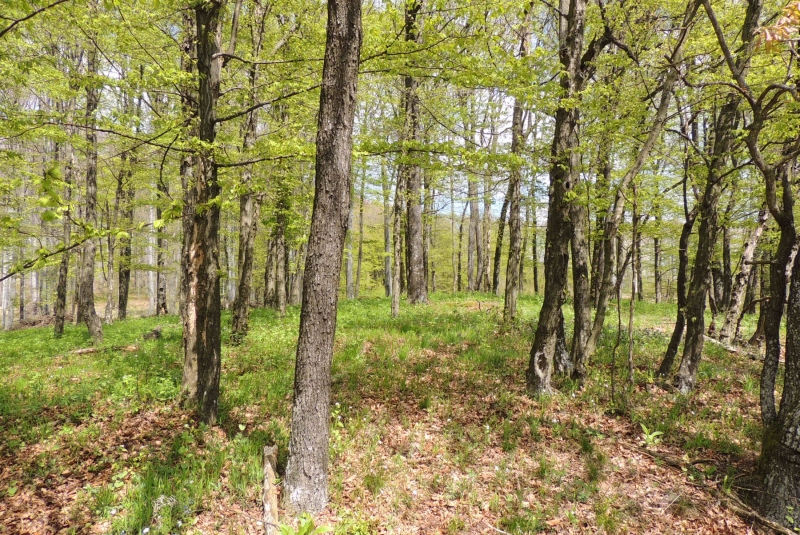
[498, 530]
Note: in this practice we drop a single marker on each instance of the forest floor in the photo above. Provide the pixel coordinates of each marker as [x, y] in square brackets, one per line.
[432, 431]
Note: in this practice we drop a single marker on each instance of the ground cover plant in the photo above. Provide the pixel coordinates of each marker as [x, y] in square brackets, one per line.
[432, 430]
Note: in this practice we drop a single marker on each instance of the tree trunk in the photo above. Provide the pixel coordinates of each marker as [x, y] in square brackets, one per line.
[456, 253]
[779, 462]
[249, 201]
[461, 246]
[161, 257]
[417, 284]
[706, 238]
[501, 228]
[516, 248]
[602, 190]
[473, 242]
[349, 288]
[189, 162]
[580, 283]
[534, 245]
[63, 268]
[726, 275]
[615, 213]
[736, 292]
[485, 282]
[387, 233]
[201, 323]
[397, 243]
[657, 265]
[634, 284]
[7, 289]
[514, 199]
[281, 260]
[90, 316]
[680, 323]
[306, 483]
[524, 247]
[360, 232]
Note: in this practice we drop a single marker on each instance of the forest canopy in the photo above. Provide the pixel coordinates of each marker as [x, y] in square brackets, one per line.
[570, 163]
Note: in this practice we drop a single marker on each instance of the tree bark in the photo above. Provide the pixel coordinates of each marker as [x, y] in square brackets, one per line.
[360, 232]
[387, 233]
[456, 253]
[397, 243]
[250, 201]
[474, 239]
[514, 199]
[564, 173]
[680, 323]
[60, 308]
[417, 284]
[306, 484]
[161, 256]
[349, 288]
[201, 323]
[90, 316]
[736, 292]
[724, 138]
[189, 162]
[706, 238]
[501, 229]
[281, 260]
[657, 264]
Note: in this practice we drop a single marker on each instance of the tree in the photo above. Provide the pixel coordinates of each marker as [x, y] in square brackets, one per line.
[306, 483]
[564, 174]
[202, 344]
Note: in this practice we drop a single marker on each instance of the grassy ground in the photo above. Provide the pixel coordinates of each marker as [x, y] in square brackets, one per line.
[432, 430]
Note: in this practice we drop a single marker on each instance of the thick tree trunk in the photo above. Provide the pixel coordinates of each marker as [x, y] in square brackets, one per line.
[773, 312]
[580, 283]
[417, 290]
[90, 316]
[779, 462]
[564, 171]
[736, 292]
[201, 322]
[306, 483]
[557, 240]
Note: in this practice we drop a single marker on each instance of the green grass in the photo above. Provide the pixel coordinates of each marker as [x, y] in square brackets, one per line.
[113, 414]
